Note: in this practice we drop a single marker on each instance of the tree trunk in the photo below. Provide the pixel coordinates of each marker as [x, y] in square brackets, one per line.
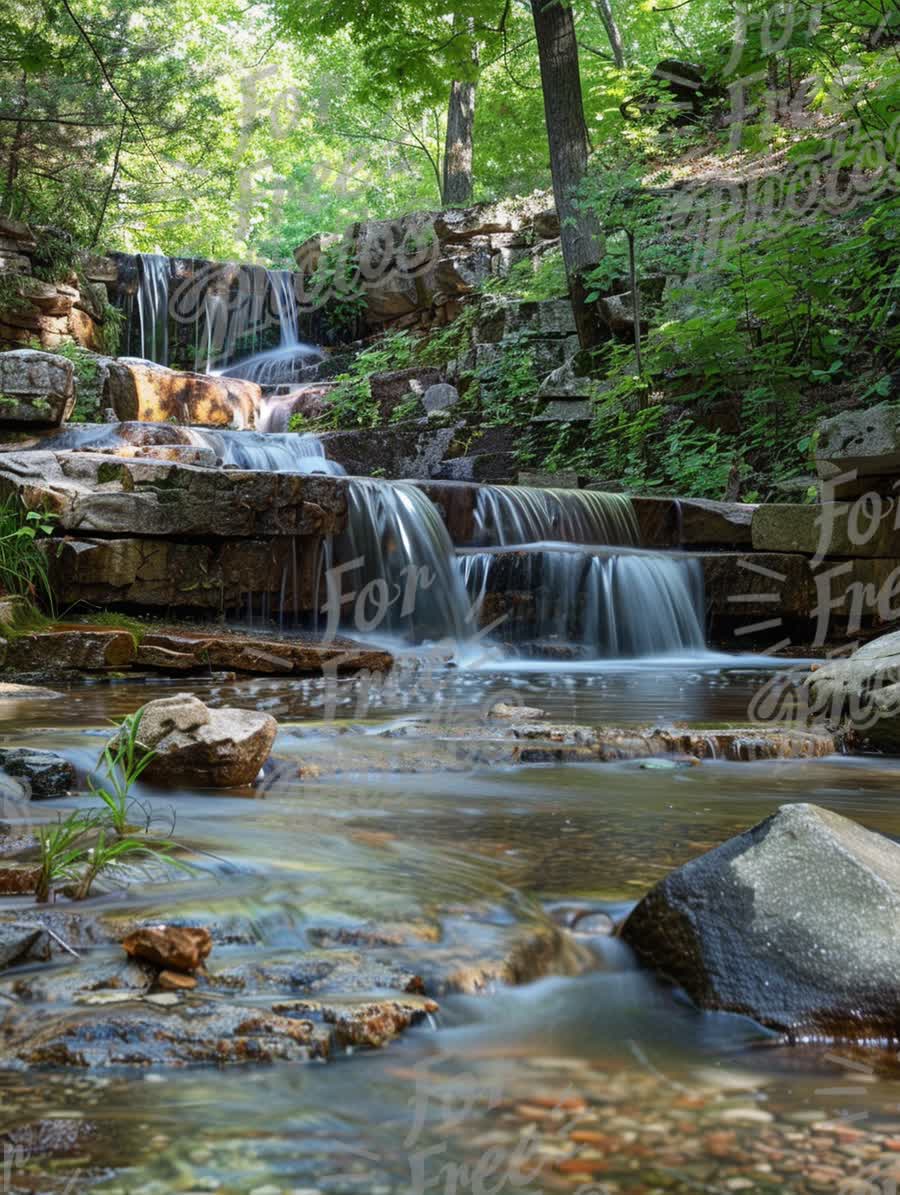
[607, 16]
[457, 184]
[582, 243]
[456, 188]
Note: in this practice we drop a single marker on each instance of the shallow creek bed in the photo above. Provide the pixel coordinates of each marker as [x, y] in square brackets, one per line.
[391, 882]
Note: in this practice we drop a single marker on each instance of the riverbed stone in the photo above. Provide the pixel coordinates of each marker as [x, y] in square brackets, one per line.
[259, 655]
[36, 389]
[792, 923]
[48, 774]
[196, 745]
[861, 693]
[175, 947]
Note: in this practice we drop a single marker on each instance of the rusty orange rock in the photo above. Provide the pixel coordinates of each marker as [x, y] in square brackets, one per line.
[172, 947]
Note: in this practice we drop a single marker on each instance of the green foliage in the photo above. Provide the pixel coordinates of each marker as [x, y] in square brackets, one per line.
[337, 281]
[88, 380]
[62, 849]
[124, 761]
[23, 563]
[532, 281]
[351, 400]
[503, 388]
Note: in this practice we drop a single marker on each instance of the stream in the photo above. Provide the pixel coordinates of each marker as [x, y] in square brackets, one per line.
[493, 1092]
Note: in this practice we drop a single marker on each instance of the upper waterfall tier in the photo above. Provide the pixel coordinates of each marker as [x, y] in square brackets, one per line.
[506, 515]
[242, 320]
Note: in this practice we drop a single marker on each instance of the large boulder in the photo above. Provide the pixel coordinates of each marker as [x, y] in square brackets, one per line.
[861, 693]
[142, 390]
[36, 389]
[196, 745]
[793, 923]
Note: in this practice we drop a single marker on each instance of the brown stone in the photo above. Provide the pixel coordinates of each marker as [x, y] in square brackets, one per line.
[196, 745]
[18, 879]
[175, 981]
[65, 649]
[141, 390]
[172, 947]
[693, 523]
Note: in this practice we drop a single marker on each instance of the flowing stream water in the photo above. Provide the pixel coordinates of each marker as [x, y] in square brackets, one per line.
[378, 810]
[685, 1097]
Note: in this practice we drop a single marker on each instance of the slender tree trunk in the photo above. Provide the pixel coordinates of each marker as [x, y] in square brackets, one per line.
[457, 184]
[18, 143]
[608, 17]
[582, 242]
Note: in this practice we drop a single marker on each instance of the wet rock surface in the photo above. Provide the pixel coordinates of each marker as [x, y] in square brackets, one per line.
[47, 774]
[792, 923]
[179, 947]
[218, 748]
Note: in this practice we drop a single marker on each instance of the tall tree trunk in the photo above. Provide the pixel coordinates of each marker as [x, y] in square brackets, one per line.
[582, 242]
[457, 183]
[608, 17]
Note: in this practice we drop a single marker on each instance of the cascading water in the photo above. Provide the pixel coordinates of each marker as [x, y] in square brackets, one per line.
[152, 302]
[604, 606]
[514, 514]
[397, 557]
[542, 581]
[288, 363]
[289, 453]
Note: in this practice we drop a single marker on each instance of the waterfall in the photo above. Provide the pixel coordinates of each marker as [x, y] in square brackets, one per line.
[607, 606]
[289, 362]
[288, 453]
[153, 307]
[406, 582]
[506, 515]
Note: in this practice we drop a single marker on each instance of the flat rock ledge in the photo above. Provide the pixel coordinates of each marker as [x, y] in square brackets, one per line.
[67, 650]
[793, 923]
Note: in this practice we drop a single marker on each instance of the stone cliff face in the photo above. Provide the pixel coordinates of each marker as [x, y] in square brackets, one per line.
[71, 309]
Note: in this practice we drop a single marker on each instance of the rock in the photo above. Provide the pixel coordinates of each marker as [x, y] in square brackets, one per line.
[229, 575]
[618, 314]
[787, 527]
[19, 942]
[67, 649]
[525, 713]
[36, 388]
[440, 397]
[94, 493]
[11, 692]
[861, 694]
[736, 745]
[175, 981]
[563, 479]
[19, 879]
[694, 523]
[792, 922]
[48, 774]
[195, 745]
[565, 410]
[396, 387]
[172, 947]
[866, 442]
[243, 653]
[150, 393]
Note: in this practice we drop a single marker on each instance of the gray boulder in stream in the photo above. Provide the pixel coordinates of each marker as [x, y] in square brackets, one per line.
[793, 923]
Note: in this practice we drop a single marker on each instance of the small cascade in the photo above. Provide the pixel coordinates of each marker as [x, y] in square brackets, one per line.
[605, 606]
[270, 453]
[290, 361]
[152, 302]
[406, 581]
[506, 515]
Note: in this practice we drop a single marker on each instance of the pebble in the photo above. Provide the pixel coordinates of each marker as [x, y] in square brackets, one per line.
[746, 1115]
